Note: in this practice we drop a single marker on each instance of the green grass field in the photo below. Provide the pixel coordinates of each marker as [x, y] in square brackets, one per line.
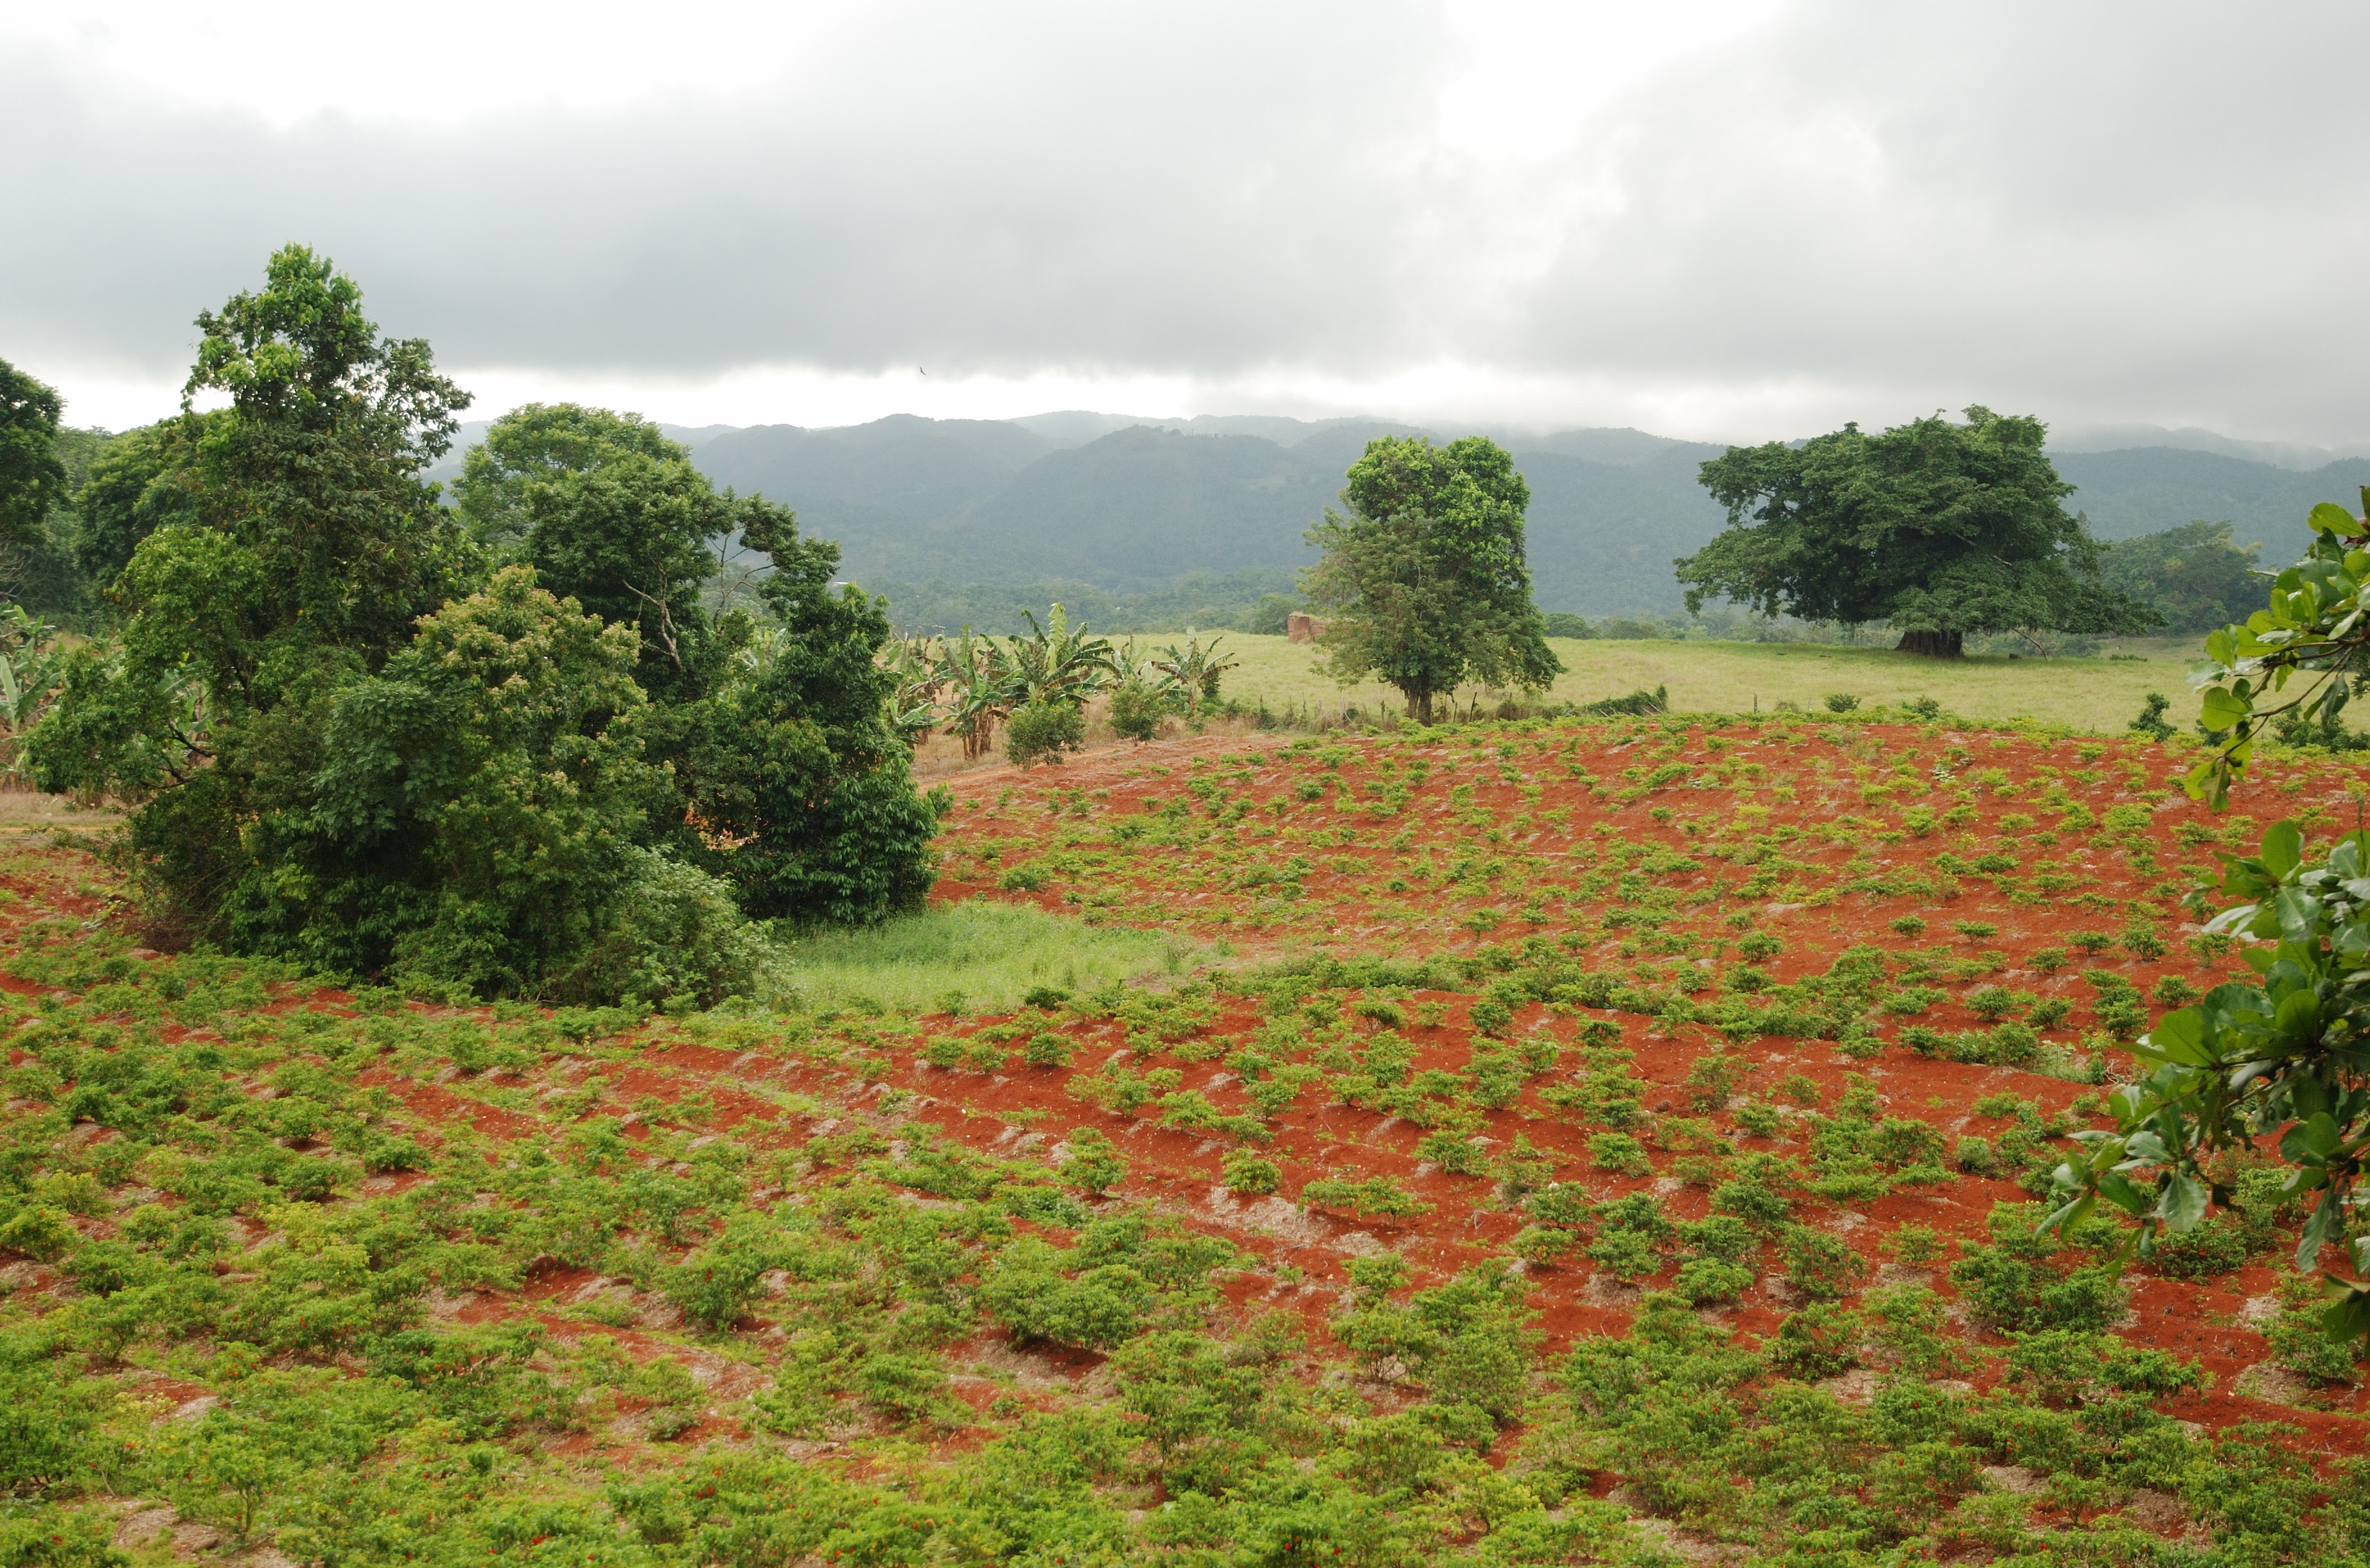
[2087, 693]
[991, 953]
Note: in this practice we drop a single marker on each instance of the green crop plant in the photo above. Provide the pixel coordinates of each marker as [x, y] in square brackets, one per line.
[1244, 1171]
[1619, 1153]
[1376, 1197]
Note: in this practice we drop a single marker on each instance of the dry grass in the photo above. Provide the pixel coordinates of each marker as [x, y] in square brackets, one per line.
[2084, 693]
[29, 811]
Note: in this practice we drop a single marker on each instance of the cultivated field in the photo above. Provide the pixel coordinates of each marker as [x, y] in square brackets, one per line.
[1722, 678]
[1605, 1141]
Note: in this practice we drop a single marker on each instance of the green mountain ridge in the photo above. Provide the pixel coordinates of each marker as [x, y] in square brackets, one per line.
[1159, 510]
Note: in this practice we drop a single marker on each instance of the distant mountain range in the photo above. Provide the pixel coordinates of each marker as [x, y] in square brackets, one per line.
[1129, 507]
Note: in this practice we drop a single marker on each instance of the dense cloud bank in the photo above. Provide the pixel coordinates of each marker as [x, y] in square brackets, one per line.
[1847, 211]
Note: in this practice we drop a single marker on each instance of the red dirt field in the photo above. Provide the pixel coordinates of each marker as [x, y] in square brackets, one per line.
[1820, 820]
[1441, 972]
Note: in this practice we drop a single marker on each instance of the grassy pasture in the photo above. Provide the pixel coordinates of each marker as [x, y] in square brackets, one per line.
[991, 953]
[2086, 694]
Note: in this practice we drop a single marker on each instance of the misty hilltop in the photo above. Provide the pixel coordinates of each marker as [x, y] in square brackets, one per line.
[1131, 506]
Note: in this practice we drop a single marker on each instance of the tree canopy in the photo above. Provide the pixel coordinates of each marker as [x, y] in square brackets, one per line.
[543, 441]
[32, 479]
[506, 749]
[138, 483]
[2193, 575]
[1935, 528]
[1423, 577]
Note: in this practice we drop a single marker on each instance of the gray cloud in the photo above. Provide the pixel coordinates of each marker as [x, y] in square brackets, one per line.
[2103, 212]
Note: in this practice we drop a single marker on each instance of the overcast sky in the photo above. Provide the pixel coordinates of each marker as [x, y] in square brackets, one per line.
[1731, 221]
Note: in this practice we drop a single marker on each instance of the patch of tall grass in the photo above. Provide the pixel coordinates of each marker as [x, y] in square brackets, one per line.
[980, 955]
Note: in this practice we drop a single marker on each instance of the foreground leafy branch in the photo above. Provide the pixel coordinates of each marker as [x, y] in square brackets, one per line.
[2312, 634]
[2288, 1054]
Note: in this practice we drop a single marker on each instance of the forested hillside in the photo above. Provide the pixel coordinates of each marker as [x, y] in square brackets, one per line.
[2147, 489]
[971, 520]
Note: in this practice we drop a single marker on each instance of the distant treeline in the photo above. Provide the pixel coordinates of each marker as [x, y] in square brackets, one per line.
[2195, 576]
[1255, 598]
[119, 487]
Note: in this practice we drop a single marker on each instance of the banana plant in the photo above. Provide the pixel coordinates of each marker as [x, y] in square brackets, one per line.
[971, 672]
[765, 645]
[1132, 663]
[1056, 664]
[1193, 672]
[29, 674]
[913, 704]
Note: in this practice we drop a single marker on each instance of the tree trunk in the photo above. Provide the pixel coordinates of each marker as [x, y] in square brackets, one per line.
[1933, 644]
[1420, 706]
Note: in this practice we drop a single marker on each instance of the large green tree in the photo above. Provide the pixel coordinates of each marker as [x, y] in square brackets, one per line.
[1935, 528]
[476, 804]
[142, 480]
[32, 479]
[517, 758]
[793, 785]
[800, 782]
[1423, 581]
[540, 442]
[2195, 576]
[38, 462]
[307, 548]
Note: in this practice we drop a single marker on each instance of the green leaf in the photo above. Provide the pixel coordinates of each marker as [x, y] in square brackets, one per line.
[2330, 518]
[2298, 1020]
[2299, 914]
[2311, 1140]
[2317, 1230]
[2208, 782]
[2218, 708]
[2183, 1204]
[2347, 1316]
[2182, 1036]
[2282, 847]
[2120, 1191]
[2072, 1213]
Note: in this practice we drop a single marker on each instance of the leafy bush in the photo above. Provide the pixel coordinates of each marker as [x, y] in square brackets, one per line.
[1620, 1153]
[1042, 731]
[2022, 1294]
[1136, 711]
[1820, 1341]
[716, 1284]
[37, 1230]
[1704, 1281]
[1818, 1264]
[2059, 1365]
[1094, 1164]
[1565, 1204]
[676, 933]
[1380, 1197]
[1046, 1049]
[1246, 1172]
[1030, 1292]
[1760, 1119]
